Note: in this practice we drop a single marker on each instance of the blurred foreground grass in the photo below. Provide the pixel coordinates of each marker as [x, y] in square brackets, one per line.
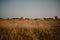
[29, 30]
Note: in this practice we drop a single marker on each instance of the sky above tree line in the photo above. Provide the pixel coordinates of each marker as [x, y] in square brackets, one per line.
[29, 8]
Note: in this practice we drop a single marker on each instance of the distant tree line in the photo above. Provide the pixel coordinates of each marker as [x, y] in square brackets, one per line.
[55, 18]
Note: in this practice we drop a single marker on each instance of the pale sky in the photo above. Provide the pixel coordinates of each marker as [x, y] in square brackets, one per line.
[29, 8]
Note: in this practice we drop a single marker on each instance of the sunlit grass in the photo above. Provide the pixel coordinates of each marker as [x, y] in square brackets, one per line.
[29, 30]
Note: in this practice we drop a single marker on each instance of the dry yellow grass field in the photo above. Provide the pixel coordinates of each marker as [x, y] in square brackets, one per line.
[17, 29]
